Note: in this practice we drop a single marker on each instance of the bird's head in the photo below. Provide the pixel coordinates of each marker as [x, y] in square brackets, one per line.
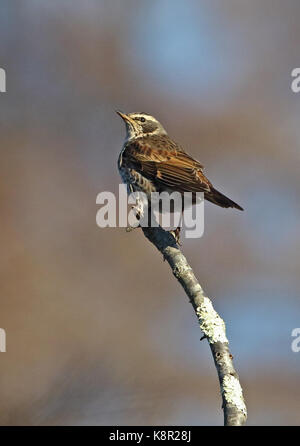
[141, 124]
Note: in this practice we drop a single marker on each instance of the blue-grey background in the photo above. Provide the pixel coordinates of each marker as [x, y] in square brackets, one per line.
[98, 331]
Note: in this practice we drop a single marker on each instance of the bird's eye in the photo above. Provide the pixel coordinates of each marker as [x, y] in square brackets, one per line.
[142, 119]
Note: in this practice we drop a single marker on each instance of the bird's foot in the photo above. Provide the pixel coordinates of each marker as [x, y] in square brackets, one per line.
[139, 209]
[131, 228]
[176, 235]
[139, 212]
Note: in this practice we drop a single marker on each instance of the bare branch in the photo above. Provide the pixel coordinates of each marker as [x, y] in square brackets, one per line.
[212, 326]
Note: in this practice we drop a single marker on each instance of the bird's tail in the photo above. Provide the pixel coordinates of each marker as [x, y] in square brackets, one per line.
[221, 200]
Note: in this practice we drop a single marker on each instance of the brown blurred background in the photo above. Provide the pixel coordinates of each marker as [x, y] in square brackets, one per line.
[98, 331]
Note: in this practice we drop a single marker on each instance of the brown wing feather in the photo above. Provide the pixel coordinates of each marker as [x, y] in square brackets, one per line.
[167, 164]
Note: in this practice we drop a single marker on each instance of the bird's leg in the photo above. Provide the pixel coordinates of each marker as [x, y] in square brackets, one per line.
[138, 209]
[176, 235]
[176, 232]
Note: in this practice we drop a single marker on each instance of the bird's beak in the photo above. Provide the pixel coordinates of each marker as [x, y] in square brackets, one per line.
[125, 117]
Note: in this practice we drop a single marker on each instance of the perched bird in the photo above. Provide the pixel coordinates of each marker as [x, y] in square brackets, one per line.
[150, 161]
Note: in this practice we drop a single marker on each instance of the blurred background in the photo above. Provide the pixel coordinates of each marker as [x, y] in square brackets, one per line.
[98, 331]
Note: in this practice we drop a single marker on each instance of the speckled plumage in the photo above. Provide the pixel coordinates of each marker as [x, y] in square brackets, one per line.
[152, 162]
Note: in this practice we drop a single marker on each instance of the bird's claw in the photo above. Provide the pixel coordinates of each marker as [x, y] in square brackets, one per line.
[130, 228]
[176, 235]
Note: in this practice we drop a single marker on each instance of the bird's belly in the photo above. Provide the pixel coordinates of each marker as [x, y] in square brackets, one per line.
[137, 182]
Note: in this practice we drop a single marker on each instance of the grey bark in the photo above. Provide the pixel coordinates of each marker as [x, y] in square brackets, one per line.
[212, 326]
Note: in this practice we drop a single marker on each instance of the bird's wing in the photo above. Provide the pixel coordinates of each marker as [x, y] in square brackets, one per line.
[166, 166]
